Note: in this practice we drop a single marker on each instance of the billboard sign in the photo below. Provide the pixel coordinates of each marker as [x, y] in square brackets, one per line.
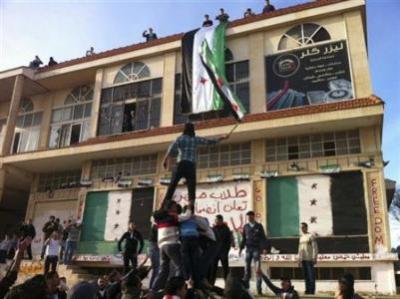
[314, 75]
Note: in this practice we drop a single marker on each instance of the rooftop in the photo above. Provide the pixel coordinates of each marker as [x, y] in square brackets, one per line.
[177, 37]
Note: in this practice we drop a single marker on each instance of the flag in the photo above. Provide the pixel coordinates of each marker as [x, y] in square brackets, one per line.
[106, 215]
[204, 85]
[329, 204]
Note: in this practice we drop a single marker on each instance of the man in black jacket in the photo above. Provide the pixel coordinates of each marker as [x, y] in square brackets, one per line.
[285, 291]
[28, 230]
[224, 242]
[48, 228]
[132, 238]
[254, 239]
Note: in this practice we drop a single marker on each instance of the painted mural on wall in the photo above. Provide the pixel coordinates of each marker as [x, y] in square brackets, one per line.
[308, 76]
[231, 199]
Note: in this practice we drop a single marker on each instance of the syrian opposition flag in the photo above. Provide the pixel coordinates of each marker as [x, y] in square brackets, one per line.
[329, 204]
[111, 213]
[204, 84]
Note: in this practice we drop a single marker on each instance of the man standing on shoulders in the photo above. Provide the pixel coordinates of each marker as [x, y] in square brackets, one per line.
[132, 238]
[254, 240]
[308, 251]
[28, 230]
[72, 237]
[224, 243]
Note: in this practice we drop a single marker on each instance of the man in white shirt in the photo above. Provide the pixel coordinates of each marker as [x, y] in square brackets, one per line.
[53, 246]
[308, 252]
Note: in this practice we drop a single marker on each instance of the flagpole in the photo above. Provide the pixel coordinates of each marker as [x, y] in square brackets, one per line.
[233, 129]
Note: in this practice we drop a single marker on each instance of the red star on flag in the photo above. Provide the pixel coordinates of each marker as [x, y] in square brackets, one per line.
[203, 80]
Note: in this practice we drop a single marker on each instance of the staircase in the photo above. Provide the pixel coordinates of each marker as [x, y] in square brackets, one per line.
[74, 274]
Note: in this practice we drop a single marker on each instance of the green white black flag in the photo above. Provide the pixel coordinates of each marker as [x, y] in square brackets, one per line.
[205, 87]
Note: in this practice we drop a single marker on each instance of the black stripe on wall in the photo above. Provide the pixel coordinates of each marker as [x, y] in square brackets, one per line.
[348, 204]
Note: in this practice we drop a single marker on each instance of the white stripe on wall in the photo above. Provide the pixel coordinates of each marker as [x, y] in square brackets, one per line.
[118, 213]
[315, 203]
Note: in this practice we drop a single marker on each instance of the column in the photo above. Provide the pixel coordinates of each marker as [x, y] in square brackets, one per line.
[94, 119]
[167, 104]
[257, 73]
[46, 120]
[12, 114]
[358, 54]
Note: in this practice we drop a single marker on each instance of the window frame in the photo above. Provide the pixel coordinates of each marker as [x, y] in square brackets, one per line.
[83, 120]
[278, 149]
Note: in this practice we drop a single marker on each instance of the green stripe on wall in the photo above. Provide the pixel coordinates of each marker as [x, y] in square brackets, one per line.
[94, 217]
[282, 207]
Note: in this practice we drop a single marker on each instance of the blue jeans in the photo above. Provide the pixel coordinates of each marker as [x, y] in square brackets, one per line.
[309, 276]
[70, 247]
[154, 254]
[252, 254]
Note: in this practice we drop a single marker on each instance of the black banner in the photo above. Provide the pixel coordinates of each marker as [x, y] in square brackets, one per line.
[308, 76]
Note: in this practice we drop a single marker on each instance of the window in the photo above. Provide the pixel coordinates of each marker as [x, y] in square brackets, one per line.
[27, 128]
[130, 107]
[238, 76]
[70, 124]
[317, 145]
[224, 155]
[111, 168]
[59, 180]
[303, 35]
[131, 72]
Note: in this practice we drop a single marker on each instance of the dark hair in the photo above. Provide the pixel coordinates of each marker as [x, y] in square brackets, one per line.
[206, 16]
[220, 217]
[173, 285]
[52, 217]
[348, 280]
[250, 213]
[305, 224]
[286, 278]
[189, 130]
[170, 204]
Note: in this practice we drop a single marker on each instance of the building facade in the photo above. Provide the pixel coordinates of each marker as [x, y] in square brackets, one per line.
[85, 139]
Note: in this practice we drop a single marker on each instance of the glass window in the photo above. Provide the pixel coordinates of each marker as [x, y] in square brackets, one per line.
[132, 71]
[133, 106]
[139, 165]
[70, 124]
[317, 145]
[303, 35]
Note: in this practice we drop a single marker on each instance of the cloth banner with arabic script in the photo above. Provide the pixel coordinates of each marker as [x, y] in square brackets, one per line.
[231, 199]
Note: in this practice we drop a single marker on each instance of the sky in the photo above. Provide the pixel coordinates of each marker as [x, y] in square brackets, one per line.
[66, 29]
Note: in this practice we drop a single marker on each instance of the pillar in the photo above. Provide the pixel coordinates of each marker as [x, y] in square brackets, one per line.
[257, 73]
[12, 114]
[358, 54]
[167, 103]
[46, 120]
[94, 119]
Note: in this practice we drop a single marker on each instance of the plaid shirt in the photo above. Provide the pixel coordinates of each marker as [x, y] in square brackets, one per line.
[186, 147]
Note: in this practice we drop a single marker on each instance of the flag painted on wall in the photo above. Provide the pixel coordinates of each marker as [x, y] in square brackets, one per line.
[329, 204]
[106, 215]
[204, 84]
[299, 199]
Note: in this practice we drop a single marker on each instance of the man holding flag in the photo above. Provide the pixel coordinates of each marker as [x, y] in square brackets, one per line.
[205, 88]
